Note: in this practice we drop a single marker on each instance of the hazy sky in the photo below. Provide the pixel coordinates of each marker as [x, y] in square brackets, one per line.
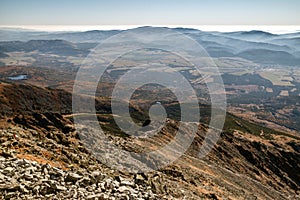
[149, 12]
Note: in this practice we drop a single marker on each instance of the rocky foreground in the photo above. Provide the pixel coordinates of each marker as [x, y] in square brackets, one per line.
[22, 179]
[54, 165]
[34, 165]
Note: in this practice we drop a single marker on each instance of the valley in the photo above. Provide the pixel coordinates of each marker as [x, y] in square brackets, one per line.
[44, 153]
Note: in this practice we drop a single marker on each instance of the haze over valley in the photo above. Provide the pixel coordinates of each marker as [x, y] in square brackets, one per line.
[136, 100]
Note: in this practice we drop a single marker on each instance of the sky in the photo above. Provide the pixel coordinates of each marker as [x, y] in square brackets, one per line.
[149, 12]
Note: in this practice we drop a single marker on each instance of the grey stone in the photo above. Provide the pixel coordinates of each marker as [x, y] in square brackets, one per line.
[139, 179]
[36, 189]
[28, 176]
[31, 169]
[60, 188]
[73, 177]
[122, 189]
[45, 170]
[97, 175]
[85, 181]
[2, 177]
[128, 183]
[96, 196]
[2, 166]
[8, 170]
[10, 187]
[10, 195]
[23, 189]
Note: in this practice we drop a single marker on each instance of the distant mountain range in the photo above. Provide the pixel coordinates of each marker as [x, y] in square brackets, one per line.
[257, 46]
[59, 47]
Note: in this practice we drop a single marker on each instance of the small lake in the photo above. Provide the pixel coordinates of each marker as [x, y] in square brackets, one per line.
[18, 77]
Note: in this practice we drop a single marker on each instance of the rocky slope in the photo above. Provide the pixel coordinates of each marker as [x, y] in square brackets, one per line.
[23, 179]
[43, 157]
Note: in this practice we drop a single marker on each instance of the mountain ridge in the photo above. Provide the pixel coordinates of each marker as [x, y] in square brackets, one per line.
[248, 161]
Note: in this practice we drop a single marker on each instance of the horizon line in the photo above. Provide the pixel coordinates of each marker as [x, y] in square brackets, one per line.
[275, 29]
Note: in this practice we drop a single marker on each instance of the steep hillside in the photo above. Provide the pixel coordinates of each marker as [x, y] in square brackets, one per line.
[248, 162]
[26, 99]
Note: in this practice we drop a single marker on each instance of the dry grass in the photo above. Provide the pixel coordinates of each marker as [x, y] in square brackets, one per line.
[43, 160]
